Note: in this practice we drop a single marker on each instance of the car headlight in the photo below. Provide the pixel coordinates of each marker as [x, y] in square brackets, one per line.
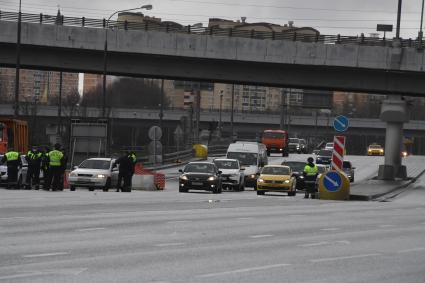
[252, 176]
[301, 177]
[101, 176]
[184, 178]
[73, 174]
[381, 150]
[260, 180]
[287, 181]
[212, 178]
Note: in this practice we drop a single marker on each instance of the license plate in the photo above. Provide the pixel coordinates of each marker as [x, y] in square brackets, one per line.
[83, 180]
[197, 183]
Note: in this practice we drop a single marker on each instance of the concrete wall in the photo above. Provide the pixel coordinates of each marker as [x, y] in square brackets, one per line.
[348, 67]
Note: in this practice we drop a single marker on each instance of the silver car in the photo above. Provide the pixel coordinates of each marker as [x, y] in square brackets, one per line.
[94, 173]
[22, 173]
[348, 169]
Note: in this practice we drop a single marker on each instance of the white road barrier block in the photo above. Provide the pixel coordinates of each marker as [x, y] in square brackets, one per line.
[143, 182]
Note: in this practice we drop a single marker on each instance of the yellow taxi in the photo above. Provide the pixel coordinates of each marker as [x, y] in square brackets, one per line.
[375, 149]
[276, 178]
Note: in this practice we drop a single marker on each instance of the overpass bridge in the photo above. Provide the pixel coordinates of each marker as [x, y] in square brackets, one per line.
[344, 63]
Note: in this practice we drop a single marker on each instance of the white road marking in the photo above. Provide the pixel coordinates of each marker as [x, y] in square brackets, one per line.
[44, 255]
[75, 272]
[13, 218]
[335, 183]
[412, 250]
[330, 229]
[169, 245]
[260, 236]
[90, 229]
[297, 215]
[343, 257]
[313, 244]
[245, 218]
[243, 270]
[178, 221]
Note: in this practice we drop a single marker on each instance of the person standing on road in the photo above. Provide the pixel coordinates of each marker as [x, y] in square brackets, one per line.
[33, 158]
[64, 162]
[125, 172]
[14, 163]
[133, 159]
[55, 168]
[310, 176]
[45, 166]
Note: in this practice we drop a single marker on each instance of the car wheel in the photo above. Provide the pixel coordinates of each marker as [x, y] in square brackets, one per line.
[91, 189]
[292, 194]
[72, 188]
[268, 152]
[352, 180]
[260, 193]
[183, 190]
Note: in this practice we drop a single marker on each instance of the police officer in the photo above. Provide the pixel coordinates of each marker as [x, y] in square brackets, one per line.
[310, 175]
[125, 172]
[14, 162]
[45, 166]
[55, 158]
[33, 158]
[133, 159]
[63, 169]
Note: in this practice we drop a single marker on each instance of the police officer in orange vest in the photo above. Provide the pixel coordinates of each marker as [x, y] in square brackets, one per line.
[14, 163]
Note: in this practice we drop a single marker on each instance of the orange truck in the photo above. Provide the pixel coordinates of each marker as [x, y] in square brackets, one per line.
[275, 141]
[13, 134]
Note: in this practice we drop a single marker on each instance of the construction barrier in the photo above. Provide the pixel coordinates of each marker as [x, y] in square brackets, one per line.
[147, 179]
[201, 151]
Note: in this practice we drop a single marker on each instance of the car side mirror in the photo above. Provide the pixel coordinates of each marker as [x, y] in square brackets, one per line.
[242, 169]
[74, 167]
[354, 168]
[180, 170]
[219, 172]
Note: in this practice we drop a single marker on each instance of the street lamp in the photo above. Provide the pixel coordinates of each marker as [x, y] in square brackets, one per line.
[105, 51]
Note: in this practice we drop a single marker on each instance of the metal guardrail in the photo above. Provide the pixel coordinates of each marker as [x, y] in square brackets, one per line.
[217, 150]
[215, 31]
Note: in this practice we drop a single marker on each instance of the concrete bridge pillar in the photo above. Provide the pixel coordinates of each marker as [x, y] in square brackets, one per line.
[394, 113]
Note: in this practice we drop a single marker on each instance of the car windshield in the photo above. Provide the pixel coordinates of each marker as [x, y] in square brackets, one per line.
[296, 166]
[302, 142]
[95, 164]
[245, 158]
[293, 140]
[329, 144]
[275, 170]
[375, 146]
[226, 164]
[346, 165]
[273, 135]
[321, 169]
[324, 152]
[199, 168]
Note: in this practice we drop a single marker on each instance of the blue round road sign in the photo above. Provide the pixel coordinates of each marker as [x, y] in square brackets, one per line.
[332, 181]
[341, 123]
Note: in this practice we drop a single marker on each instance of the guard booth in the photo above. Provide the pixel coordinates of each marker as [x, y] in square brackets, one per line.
[87, 140]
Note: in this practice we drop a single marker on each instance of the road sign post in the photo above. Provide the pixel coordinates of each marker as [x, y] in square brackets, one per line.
[338, 153]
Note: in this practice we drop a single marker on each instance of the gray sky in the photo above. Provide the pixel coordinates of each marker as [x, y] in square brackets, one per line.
[345, 17]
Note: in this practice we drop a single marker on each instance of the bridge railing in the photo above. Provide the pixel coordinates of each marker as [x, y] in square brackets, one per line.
[215, 31]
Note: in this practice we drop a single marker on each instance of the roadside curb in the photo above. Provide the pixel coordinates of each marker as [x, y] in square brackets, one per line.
[382, 196]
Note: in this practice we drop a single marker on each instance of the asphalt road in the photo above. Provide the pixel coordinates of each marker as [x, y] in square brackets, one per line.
[166, 236]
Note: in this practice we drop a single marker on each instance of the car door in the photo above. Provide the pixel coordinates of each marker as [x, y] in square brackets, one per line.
[24, 170]
[114, 172]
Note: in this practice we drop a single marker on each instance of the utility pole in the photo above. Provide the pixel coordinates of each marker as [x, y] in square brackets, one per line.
[18, 61]
[231, 113]
[420, 28]
[397, 35]
[59, 130]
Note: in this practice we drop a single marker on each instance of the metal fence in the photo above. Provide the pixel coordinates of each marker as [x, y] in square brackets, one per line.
[212, 31]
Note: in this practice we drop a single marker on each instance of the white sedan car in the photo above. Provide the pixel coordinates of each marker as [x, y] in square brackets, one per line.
[94, 173]
[22, 173]
[232, 176]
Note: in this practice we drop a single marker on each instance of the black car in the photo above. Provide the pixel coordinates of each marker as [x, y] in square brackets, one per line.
[200, 176]
[294, 145]
[297, 168]
[324, 157]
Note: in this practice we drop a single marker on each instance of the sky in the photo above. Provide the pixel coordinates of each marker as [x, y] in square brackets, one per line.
[330, 17]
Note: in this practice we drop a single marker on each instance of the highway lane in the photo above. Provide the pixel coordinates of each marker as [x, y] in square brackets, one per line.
[199, 237]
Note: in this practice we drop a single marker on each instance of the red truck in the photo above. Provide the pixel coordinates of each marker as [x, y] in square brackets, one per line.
[13, 134]
[275, 141]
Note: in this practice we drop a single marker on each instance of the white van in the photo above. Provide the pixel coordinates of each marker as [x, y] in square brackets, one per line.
[252, 157]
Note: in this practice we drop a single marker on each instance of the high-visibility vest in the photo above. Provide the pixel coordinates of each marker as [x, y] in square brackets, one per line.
[55, 157]
[12, 155]
[310, 171]
[31, 155]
